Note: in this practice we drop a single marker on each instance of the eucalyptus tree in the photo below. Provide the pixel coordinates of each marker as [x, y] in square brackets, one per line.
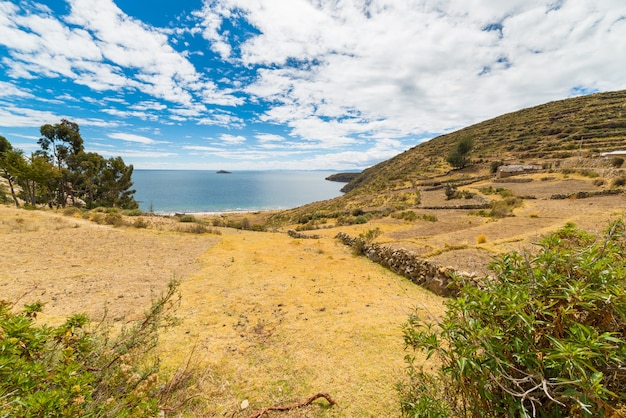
[62, 144]
[10, 165]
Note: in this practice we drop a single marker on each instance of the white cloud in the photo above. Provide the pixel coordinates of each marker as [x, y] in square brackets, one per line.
[136, 154]
[269, 138]
[232, 139]
[133, 138]
[201, 148]
[10, 89]
[398, 69]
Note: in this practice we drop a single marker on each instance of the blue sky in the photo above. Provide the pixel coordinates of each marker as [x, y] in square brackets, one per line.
[292, 84]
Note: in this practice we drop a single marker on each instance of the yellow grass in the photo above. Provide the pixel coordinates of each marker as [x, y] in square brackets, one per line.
[272, 319]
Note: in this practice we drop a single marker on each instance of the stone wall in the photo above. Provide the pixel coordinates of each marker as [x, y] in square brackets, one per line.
[429, 275]
[296, 234]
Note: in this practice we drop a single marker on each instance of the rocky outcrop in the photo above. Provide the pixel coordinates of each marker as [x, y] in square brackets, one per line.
[432, 276]
[342, 177]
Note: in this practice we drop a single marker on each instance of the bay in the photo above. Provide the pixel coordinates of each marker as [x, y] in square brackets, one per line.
[196, 191]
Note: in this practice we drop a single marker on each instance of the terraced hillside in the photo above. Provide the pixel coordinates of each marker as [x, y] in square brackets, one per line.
[552, 135]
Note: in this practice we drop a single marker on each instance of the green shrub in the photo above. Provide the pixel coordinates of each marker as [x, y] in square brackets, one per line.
[617, 162]
[545, 337]
[98, 218]
[495, 165]
[618, 182]
[71, 211]
[114, 218]
[133, 212]
[360, 219]
[429, 218]
[451, 192]
[77, 369]
[141, 223]
[187, 218]
[409, 216]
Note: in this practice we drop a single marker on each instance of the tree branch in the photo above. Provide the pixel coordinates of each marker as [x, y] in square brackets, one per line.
[294, 406]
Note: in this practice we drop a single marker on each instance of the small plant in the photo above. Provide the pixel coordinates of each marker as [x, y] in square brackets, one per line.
[133, 212]
[495, 165]
[481, 239]
[77, 369]
[71, 211]
[365, 238]
[450, 191]
[360, 219]
[618, 182]
[617, 162]
[141, 223]
[114, 218]
[98, 218]
[187, 218]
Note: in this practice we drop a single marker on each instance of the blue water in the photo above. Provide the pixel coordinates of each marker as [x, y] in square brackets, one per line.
[185, 191]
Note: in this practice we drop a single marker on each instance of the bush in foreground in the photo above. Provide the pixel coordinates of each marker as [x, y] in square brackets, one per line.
[77, 369]
[544, 337]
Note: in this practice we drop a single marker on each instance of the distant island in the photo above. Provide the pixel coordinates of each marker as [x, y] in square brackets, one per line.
[223, 172]
[342, 177]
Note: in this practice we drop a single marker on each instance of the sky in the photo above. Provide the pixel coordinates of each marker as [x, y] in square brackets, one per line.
[292, 84]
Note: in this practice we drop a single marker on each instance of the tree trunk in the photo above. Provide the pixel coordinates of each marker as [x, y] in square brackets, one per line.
[17, 203]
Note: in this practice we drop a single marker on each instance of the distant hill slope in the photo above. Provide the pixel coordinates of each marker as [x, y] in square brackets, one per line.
[556, 130]
[550, 135]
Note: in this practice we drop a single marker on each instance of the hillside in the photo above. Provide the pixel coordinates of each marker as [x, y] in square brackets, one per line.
[586, 126]
[463, 217]
[565, 135]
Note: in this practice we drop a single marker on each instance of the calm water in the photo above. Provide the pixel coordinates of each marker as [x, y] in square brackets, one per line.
[169, 191]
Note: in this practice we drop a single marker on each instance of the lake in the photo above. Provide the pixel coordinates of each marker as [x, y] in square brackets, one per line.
[192, 191]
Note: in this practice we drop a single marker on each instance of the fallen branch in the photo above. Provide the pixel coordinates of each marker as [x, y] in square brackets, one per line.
[295, 406]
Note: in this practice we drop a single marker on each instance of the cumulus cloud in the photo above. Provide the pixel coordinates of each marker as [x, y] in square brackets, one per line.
[232, 139]
[336, 70]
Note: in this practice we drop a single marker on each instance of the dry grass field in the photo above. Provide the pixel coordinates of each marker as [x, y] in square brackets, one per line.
[265, 318]
[273, 319]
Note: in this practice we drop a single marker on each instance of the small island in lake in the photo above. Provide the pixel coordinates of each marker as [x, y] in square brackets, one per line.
[223, 172]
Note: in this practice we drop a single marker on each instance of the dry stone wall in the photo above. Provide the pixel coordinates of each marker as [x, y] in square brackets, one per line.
[432, 276]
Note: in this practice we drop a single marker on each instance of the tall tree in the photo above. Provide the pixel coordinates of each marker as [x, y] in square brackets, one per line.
[39, 179]
[116, 184]
[61, 143]
[10, 165]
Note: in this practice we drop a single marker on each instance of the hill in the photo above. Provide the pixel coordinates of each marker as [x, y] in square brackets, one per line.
[566, 135]
[462, 217]
[580, 126]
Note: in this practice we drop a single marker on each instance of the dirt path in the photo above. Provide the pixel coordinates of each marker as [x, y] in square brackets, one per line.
[285, 318]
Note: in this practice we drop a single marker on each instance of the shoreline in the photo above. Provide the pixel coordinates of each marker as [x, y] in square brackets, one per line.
[216, 213]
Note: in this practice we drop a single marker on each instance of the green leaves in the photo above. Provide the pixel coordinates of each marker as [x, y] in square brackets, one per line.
[545, 334]
[74, 370]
